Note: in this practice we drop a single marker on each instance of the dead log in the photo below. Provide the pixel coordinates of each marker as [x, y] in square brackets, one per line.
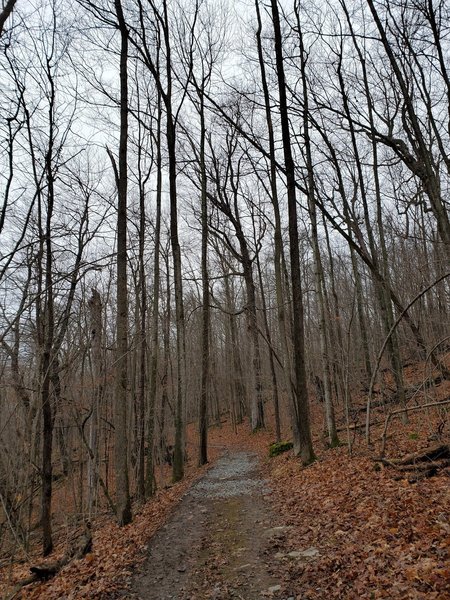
[440, 452]
[356, 426]
[413, 460]
[419, 467]
[47, 570]
[416, 474]
[377, 404]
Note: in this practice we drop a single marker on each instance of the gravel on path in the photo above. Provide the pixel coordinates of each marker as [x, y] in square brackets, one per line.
[218, 543]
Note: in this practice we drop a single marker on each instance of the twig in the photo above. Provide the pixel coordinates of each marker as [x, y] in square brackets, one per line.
[406, 409]
[383, 347]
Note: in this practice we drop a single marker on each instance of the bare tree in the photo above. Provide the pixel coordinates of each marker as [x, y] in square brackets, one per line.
[226, 175]
[124, 515]
[301, 426]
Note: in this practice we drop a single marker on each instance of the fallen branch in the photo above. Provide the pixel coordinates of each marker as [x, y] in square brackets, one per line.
[420, 465]
[441, 367]
[406, 409]
[419, 474]
[425, 466]
[48, 570]
[356, 426]
[428, 454]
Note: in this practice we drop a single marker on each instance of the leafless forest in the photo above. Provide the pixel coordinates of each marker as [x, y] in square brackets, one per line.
[211, 209]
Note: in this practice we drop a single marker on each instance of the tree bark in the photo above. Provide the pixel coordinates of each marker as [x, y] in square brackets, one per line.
[96, 326]
[205, 383]
[154, 355]
[319, 278]
[301, 426]
[124, 515]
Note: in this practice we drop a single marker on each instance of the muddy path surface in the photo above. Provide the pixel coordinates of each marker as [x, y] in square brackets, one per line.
[220, 543]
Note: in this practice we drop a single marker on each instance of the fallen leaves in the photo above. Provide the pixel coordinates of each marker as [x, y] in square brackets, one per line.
[377, 538]
[116, 551]
[373, 537]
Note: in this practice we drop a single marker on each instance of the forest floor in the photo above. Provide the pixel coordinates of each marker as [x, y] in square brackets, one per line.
[249, 526]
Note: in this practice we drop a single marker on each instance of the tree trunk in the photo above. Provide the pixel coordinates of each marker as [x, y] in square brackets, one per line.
[319, 278]
[96, 325]
[237, 377]
[206, 378]
[273, 373]
[124, 515]
[47, 350]
[301, 426]
[150, 472]
[278, 239]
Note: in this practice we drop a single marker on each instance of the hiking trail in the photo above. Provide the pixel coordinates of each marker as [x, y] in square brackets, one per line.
[220, 543]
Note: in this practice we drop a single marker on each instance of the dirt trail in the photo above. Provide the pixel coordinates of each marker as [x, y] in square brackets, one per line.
[220, 543]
